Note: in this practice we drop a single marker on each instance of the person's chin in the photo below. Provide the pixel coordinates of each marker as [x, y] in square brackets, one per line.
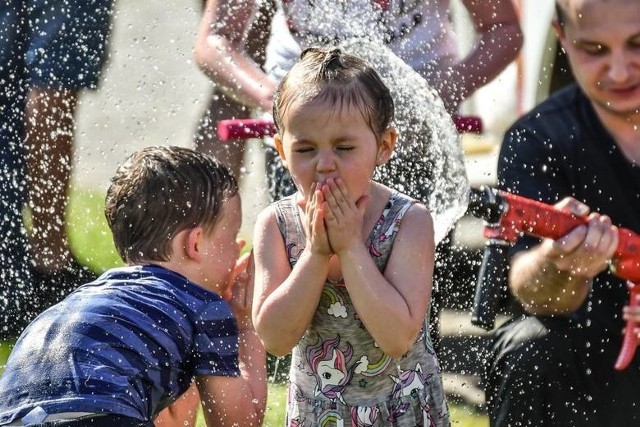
[625, 109]
[621, 107]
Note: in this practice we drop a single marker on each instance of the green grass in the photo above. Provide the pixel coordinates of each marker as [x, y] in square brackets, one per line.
[461, 416]
[275, 406]
[88, 231]
[92, 244]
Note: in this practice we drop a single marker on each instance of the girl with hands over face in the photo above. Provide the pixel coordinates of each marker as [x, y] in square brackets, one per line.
[344, 266]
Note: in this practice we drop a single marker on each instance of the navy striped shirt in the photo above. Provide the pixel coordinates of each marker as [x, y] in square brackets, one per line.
[128, 343]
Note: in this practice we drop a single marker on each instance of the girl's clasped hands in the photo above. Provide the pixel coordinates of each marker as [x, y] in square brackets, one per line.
[334, 221]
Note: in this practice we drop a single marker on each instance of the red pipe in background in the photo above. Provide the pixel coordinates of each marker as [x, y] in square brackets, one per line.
[238, 129]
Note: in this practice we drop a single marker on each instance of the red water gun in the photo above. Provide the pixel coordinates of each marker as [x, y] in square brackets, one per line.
[229, 130]
[507, 216]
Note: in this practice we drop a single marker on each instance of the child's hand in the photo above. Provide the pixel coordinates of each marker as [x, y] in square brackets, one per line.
[241, 266]
[343, 216]
[240, 291]
[317, 239]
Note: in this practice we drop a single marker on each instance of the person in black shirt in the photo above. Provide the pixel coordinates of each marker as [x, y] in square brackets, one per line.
[580, 150]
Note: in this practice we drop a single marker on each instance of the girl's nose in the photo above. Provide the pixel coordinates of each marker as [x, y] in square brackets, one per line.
[326, 161]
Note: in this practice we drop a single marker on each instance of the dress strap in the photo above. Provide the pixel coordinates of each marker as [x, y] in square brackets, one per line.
[291, 228]
[381, 239]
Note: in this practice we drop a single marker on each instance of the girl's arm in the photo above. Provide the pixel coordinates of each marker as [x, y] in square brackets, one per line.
[285, 299]
[220, 52]
[499, 39]
[401, 296]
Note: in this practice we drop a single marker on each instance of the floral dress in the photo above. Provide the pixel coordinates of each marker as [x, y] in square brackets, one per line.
[339, 376]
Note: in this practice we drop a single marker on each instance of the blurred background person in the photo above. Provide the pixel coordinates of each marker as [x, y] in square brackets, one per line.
[223, 106]
[50, 51]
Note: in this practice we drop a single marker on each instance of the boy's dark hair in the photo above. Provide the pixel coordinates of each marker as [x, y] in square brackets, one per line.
[340, 79]
[560, 14]
[564, 10]
[158, 192]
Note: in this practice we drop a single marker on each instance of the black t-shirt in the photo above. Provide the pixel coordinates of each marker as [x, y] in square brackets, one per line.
[561, 149]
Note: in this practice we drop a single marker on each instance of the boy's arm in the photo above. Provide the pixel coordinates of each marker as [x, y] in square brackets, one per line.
[182, 412]
[249, 388]
[237, 401]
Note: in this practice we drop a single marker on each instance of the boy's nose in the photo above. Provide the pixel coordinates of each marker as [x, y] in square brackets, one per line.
[619, 67]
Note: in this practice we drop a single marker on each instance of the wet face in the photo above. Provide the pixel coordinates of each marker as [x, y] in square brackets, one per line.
[602, 41]
[322, 141]
[219, 247]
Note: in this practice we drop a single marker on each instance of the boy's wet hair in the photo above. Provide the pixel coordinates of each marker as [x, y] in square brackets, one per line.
[160, 191]
[340, 79]
[560, 13]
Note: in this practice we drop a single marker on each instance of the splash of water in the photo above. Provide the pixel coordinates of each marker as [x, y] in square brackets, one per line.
[428, 163]
[323, 21]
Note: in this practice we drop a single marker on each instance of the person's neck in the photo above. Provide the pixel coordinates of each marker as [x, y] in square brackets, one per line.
[625, 129]
[182, 267]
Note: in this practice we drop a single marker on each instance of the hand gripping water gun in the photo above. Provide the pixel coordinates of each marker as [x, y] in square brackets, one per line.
[234, 129]
[506, 216]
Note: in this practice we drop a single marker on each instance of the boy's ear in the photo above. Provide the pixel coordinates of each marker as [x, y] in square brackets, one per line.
[277, 139]
[192, 243]
[559, 30]
[386, 146]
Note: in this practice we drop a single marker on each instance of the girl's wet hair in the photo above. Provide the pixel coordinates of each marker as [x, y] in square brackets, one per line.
[160, 191]
[340, 79]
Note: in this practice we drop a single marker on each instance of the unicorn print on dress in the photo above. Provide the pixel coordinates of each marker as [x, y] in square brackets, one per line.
[409, 383]
[293, 253]
[329, 365]
[364, 416]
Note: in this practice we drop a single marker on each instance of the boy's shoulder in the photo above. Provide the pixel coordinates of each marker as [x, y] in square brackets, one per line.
[149, 288]
[133, 301]
[152, 275]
